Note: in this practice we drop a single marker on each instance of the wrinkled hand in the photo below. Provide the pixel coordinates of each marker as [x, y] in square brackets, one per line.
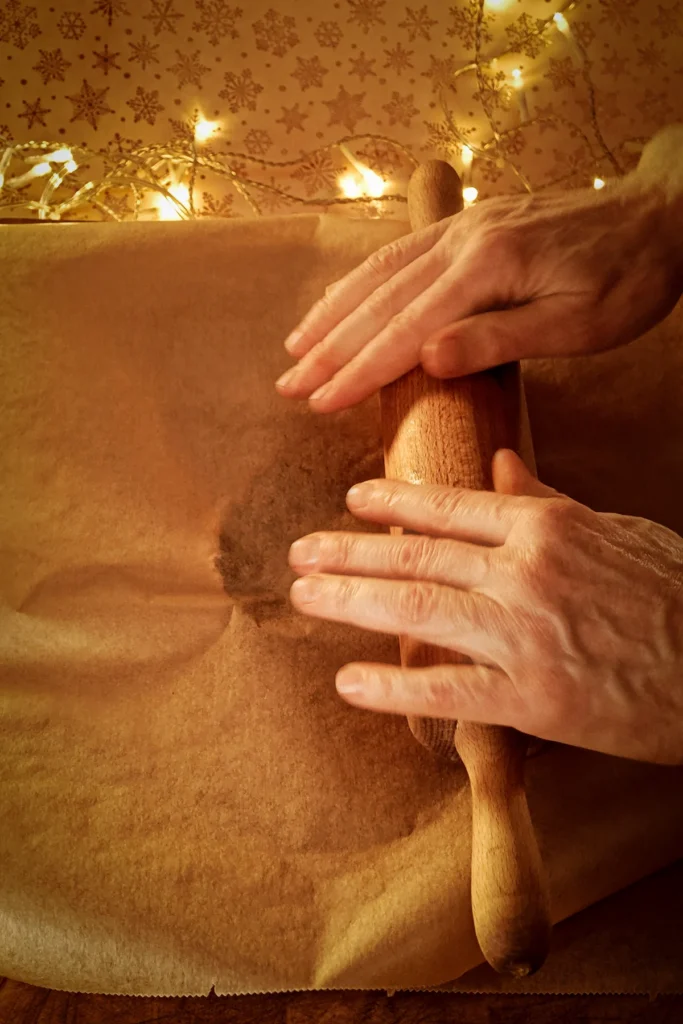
[573, 618]
[513, 277]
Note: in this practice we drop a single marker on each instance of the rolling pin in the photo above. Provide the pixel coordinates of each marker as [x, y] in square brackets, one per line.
[446, 432]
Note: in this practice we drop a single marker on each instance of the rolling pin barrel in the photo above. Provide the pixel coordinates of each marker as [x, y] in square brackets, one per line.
[446, 432]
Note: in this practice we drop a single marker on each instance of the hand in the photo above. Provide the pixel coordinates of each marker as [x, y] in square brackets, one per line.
[550, 275]
[573, 618]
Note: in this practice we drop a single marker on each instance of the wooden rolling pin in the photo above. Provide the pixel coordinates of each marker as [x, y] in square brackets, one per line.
[446, 432]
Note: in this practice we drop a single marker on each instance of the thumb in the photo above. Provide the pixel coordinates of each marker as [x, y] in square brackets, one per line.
[511, 476]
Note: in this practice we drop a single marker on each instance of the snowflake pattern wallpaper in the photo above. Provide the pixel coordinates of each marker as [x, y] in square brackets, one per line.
[266, 105]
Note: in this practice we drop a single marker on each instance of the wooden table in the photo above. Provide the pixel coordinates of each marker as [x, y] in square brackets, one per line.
[23, 1004]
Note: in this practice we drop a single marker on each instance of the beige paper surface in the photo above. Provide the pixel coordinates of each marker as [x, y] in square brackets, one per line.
[184, 801]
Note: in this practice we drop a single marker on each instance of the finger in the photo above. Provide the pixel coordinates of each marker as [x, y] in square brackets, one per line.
[360, 554]
[354, 289]
[394, 350]
[511, 476]
[474, 693]
[364, 322]
[482, 517]
[469, 623]
[544, 327]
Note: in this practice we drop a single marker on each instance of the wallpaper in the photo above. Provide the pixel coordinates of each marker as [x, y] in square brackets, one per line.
[279, 79]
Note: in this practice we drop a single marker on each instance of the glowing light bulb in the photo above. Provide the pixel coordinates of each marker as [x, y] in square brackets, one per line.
[518, 85]
[467, 156]
[167, 208]
[60, 156]
[205, 129]
[70, 166]
[470, 194]
[561, 22]
[598, 183]
[497, 5]
[374, 185]
[517, 78]
[350, 186]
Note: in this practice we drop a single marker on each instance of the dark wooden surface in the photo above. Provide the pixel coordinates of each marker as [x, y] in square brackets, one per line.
[23, 1004]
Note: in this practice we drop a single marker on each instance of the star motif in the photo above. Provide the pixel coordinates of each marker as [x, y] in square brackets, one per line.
[362, 66]
[34, 113]
[292, 118]
[346, 109]
[90, 104]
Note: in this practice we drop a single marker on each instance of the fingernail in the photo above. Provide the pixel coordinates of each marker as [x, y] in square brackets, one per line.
[321, 392]
[307, 589]
[293, 340]
[360, 495]
[351, 681]
[305, 552]
[287, 378]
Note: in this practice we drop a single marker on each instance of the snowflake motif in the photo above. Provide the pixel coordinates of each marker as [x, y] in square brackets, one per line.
[240, 90]
[71, 25]
[362, 66]
[650, 57]
[366, 13]
[465, 24]
[489, 171]
[417, 23]
[667, 20]
[275, 33]
[110, 9]
[346, 109]
[213, 207]
[17, 24]
[90, 104]
[117, 202]
[257, 142]
[145, 105]
[329, 34]
[144, 53]
[513, 143]
[34, 113]
[292, 118]
[188, 69]
[51, 66]
[608, 104]
[309, 73]
[183, 131]
[548, 115]
[106, 61]
[384, 159]
[525, 35]
[493, 91]
[570, 167]
[655, 107]
[398, 59]
[441, 72]
[217, 19]
[584, 32]
[318, 173]
[440, 138]
[618, 13]
[562, 73]
[163, 16]
[401, 109]
[614, 65]
[5, 134]
[120, 144]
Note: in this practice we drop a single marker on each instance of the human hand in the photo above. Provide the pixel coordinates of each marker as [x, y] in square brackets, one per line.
[573, 618]
[554, 274]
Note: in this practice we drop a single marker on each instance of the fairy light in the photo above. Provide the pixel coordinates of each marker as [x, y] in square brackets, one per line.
[565, 28]
[469, 195]
[497, 5]
[71, 166]
[350, 186]
[598, 183]
[204, 130]
[167, 209]
[518, 86]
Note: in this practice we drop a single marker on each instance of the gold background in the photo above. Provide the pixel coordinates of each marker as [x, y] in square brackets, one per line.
[286, 77]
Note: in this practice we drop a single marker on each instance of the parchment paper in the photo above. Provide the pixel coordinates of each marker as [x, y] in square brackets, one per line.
[184, 801]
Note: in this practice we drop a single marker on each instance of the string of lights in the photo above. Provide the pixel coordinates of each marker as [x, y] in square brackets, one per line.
[47, 182]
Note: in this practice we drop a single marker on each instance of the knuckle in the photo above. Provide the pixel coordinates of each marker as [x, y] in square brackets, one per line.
[406, 325]
[412, 556]
[344, 550]
[384, 260]
[325, 360]
[444, 502]
[416, 603]
[438, 697]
